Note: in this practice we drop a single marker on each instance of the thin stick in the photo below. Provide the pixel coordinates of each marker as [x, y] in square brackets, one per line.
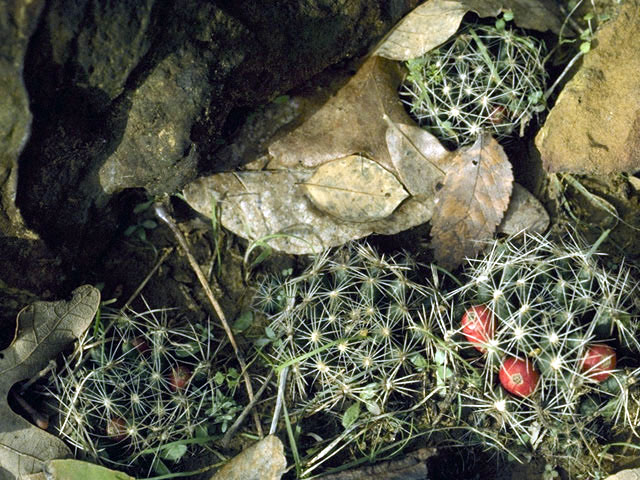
[41, 420]
[147, 278]
[45, 371]
[163, 215]
[279, 400]
[232, 429]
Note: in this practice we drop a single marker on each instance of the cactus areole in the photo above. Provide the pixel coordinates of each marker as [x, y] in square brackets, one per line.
[518, 376]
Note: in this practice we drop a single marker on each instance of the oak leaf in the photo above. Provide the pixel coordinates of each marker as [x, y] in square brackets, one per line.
[472, 201]
[43, 329]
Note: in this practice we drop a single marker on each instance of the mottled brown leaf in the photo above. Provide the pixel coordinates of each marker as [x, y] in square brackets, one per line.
[355, 189]
[472, 201]
[350, 122]
[418, 157]
[433, 22]
[44, 330]
[273, 205]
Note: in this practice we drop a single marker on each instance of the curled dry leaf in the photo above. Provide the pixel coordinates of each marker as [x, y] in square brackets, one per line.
[44, 329]
[272, 205]
[472, 201]
[355, 189]
[433, 22]
[418, 157]
[350, 122]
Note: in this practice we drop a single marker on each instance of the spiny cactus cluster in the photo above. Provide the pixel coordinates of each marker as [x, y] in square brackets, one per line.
[137, 382]
[344, 327]
[486, 78]
[519, 353]
[563, 318]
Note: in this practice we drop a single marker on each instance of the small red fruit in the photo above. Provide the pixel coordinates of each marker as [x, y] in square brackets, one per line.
[518, 376]
[117, 429]
[598, 361]
[478, 326]
[141, 345]
[179, 378]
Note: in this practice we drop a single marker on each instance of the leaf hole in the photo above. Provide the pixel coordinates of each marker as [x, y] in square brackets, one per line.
[474, 162]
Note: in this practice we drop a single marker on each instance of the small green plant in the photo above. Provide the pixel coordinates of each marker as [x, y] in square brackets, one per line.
[142, 389]
[486, 78]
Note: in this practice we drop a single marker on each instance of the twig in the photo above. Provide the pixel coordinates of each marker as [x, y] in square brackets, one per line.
[45, 371]
[232, 429]
[41, 420]
[279, 400]
[147, 278]
[163, 215]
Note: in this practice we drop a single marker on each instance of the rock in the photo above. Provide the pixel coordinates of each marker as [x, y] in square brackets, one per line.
[141, 95]
[525, 212]
[263, 460]
[630, 474]
[594, 128]
[18, 20]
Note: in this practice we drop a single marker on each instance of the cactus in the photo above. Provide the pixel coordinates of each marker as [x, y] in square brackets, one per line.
[486, 78]
[374, 343]
[138, 382]
[559, 310]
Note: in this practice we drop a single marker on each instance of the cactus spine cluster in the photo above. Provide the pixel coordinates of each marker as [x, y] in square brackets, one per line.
[486, 78]
[359, 328]
[136, 383]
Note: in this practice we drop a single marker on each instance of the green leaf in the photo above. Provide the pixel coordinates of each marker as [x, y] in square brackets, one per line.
[507, 15]
[130, 229]
[244, 321]
[77, 470]
[585, 47]
[150, 224]
[173, 452]
[141, 207]
[440, 357]
[268, 331]
[351, 415]
[419, 361]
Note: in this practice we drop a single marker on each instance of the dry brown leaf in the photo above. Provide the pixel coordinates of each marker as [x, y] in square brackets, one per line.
[418, 157]
[44, 330]
[350, 122]
[272, 205]
[433, 22]
[355, 189]
[472, 201]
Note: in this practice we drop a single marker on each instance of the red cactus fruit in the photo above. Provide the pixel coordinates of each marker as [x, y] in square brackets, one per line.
[478, 326]
[179, 378]
[598, 361]
[518, 377]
